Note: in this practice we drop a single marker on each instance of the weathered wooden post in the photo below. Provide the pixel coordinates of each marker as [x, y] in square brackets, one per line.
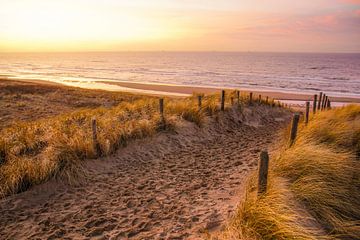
[96, 145]
[307, 112]
[314, 104]
[250, 98]
[320, 98]
[161, 108]
[263, 172]
[323, 102]
[222, 100]
[329, 104]
[267, 100]
[238, 97]
[294, 128]
[199, 102]
[260, 98]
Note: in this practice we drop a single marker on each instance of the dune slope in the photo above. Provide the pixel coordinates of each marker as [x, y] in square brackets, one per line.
[179, 184]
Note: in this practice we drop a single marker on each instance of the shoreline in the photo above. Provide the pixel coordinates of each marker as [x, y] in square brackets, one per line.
[277, 95]
[182, 91]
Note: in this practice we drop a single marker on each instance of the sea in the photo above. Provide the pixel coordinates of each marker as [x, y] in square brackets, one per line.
[337, 74]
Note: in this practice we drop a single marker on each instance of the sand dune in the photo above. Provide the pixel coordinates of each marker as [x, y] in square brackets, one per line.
[178, 185]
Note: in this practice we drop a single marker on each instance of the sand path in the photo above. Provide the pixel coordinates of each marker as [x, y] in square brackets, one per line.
[172, 186]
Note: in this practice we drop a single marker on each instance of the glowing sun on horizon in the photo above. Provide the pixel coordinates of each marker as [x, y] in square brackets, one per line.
[49, 24]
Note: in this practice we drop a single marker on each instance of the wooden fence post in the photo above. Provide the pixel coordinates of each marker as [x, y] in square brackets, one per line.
[260, 98]
[267, 100]
[199, 102]
[307, 112]
[314, 104]
[238, 97]
[96, 145]
[161, 108]
[320, 98]
[323, 102]
[328, 104]
[294, 128]
[222, 100]
[250, 98]
[263, 172]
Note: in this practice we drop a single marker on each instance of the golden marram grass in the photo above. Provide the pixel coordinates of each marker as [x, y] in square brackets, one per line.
[33, 152]
[313, 190]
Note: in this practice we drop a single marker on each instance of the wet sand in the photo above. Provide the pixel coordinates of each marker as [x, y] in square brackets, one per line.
[183, 91]
[191, 89]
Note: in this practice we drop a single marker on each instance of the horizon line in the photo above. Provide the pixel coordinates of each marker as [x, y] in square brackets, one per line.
[179, 51]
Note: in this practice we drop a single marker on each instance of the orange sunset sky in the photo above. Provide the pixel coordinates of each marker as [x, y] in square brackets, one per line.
[180, 25]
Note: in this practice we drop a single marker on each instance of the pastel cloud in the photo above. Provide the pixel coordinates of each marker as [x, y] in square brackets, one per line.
[354, 2]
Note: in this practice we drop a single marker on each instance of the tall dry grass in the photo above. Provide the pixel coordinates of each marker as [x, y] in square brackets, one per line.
[33, 152]
[314, 186]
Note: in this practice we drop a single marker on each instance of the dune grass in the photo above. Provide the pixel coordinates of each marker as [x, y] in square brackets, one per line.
[33, 152]
[314, 186]
[29, 101]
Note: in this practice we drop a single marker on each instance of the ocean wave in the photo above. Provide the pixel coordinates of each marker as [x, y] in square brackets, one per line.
[338, 78]
[306, 73]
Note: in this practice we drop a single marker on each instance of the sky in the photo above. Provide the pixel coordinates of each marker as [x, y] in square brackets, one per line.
[180, 25]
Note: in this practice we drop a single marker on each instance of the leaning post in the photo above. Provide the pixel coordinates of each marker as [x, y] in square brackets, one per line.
[161, 109]
[96, 145]
[263, 172]
[222, 100]
[323, 102]
[307, 112]
[320, 98]
[199, 102]
[294, 128]
[314, 104]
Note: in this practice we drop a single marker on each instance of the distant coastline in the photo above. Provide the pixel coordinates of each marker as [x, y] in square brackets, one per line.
[307, 73]
[293, 98]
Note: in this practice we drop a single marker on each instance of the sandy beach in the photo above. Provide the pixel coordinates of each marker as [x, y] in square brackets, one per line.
[182, 183]
[172, 186]
[292, 98]
[179, 120]
[278, 95]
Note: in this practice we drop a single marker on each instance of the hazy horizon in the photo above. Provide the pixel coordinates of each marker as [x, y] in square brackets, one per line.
[172, 51]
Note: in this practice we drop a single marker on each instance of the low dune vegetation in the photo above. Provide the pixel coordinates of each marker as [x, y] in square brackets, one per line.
[29, 101]
[33, 152]
[314, 185]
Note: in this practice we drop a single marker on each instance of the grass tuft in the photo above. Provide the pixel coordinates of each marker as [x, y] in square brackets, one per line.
[313, 190]
[33, 152]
